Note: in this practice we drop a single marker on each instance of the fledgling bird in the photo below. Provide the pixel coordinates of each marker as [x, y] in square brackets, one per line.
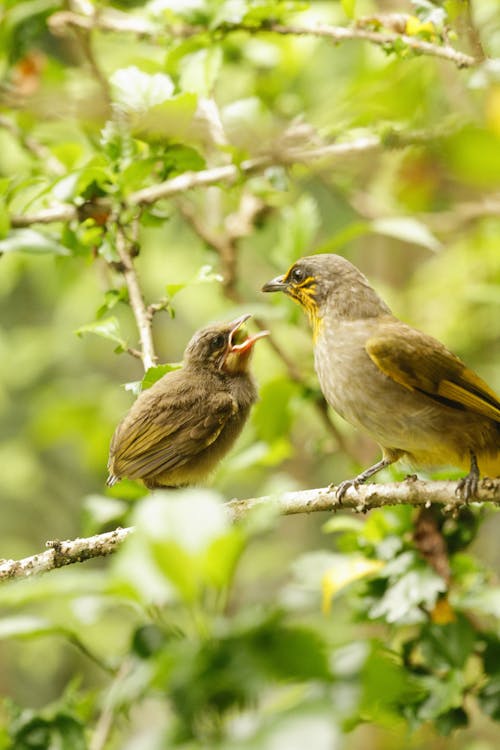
[415, 398]
[178, 430]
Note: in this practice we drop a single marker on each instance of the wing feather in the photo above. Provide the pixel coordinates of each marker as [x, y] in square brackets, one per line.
[421, 363]
[167, 432]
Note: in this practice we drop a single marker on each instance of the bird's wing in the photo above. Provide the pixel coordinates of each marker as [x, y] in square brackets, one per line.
[169, 434]
[421, 363]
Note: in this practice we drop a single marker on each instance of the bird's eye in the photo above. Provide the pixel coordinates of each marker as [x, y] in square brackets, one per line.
[298, 274]
[217, 342]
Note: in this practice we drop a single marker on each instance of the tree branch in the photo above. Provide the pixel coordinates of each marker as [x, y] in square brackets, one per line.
[231, 172]
[411, 491]
[142, 314]
[119, 22]
[60, 554]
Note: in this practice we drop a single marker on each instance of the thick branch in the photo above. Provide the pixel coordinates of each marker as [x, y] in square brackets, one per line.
[366, 497]
[142, 314]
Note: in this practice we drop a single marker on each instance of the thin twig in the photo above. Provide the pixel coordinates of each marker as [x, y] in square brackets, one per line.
[382, 38]
[231, 172]
[105, 722]
[367, 497]
[51, 164]
[119, 23]
[141, 314]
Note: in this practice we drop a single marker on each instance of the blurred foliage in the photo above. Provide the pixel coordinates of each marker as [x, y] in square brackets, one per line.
[275, 632]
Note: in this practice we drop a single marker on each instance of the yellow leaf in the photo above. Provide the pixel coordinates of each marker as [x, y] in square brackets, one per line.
[414, 27]
[493, 109]
[337, 578]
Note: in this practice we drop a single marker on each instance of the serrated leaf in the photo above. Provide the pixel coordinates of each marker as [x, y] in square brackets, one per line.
[31, 241]
[407, 229]
[108, 328]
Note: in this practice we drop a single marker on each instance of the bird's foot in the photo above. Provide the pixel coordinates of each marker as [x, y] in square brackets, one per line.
[467, 487]
[341, 489]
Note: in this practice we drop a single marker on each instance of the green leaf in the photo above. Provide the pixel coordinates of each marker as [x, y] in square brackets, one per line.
[298, 229]
[448, 645]
[349, 7]
[31, 241]
[291, 652]
[108, 328]
[4, 219]
[26, 626]
[273, 413]
[170, 119]
[342, 523]
[407, 229]
[405, 600]
[220, 559]
[155, 373]
[199, 70]
[489, 697]
[111, 298]
[178, 158]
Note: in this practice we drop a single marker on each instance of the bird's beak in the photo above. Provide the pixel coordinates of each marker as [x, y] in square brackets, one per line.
[238, 352]
[248, 342]
[275, 285]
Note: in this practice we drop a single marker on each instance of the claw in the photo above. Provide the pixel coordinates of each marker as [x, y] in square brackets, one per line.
[342, 488]
[467, 487]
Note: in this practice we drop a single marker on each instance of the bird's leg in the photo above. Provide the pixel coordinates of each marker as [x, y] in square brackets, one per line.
[467, 487]
[342, 488]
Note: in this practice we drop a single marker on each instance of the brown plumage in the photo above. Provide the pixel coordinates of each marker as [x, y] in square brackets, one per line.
[401, 386]
[178, 430]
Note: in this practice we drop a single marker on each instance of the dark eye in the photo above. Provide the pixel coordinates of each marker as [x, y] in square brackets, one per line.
[298, 274]
[217, 342]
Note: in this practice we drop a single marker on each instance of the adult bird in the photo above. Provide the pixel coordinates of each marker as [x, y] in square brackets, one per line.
[178, 430]
[415, 398]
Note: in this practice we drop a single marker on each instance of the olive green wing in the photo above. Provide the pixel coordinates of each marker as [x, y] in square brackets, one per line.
[421, 363]
[169, 433]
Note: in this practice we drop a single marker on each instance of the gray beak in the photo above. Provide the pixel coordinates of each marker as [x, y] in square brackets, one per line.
[275, 285]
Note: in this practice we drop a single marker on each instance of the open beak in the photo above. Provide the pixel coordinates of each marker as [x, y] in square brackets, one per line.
[248, 342]
[275, 285]
[238, 352]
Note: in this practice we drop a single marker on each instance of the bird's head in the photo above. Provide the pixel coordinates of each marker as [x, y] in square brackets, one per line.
[222, 347]
[328, 284]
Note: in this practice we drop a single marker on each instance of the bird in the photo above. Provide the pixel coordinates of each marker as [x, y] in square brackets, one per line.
[401, 386]
[177, 431]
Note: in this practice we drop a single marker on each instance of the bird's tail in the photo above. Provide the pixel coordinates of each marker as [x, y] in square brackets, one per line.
[112, 480]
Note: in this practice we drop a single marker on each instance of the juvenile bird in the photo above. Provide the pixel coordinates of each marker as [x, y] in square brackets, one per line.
[178, 430]
[401, 386]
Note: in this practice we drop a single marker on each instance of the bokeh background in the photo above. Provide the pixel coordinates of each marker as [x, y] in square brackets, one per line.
[420, 220]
